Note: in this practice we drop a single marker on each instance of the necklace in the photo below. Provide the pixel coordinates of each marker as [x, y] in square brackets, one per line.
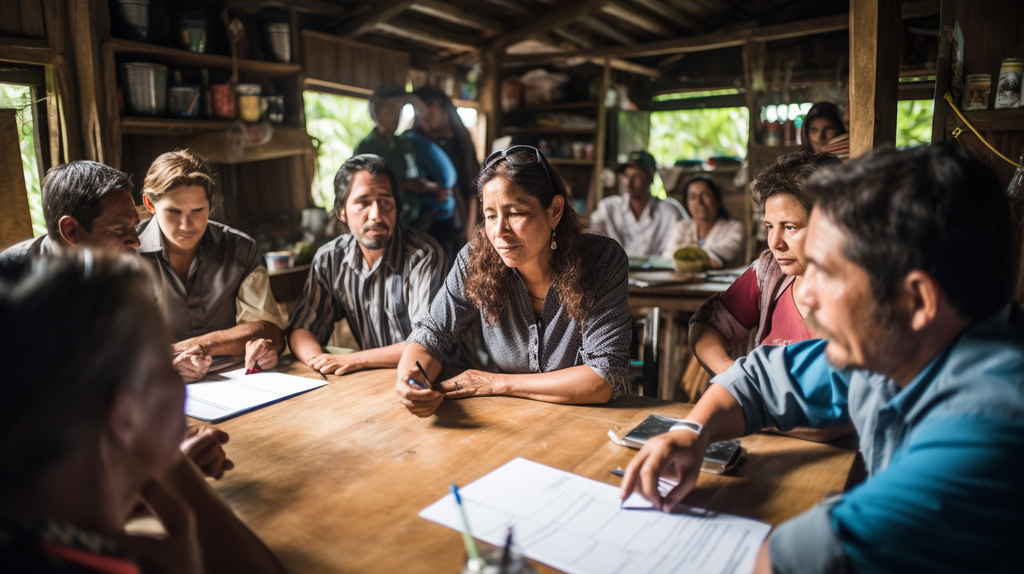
[536, 298]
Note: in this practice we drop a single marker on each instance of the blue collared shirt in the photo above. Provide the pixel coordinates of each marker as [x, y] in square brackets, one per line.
[945, 454]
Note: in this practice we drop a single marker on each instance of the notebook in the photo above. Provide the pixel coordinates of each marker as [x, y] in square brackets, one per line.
[226, 395]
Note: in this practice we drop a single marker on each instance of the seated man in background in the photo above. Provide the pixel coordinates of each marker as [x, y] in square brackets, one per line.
[95, 428]
[381, 276]
[214, 286]
[89, 204]
[84, 203]
[640, 222]
[909, 277]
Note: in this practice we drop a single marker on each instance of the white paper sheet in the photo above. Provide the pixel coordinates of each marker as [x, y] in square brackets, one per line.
[576, 524]
[224, 395]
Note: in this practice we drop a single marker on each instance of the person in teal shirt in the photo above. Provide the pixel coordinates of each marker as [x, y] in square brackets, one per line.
[425, 176]
[909, 281]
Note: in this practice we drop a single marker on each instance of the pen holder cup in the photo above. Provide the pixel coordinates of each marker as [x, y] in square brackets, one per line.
[490, 562]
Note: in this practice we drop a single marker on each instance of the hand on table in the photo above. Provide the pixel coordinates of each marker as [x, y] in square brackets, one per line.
[179, 552]
[192, 363]
[471, 383]
[420, 402]
[676, 456]
[261, 353]
[202, 444]
[329, 364]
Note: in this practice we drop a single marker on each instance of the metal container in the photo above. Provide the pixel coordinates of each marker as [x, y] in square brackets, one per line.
[183, 100]
[131, 19]
[145, 86]
[279, 37]
[1008, 93]
[223, 101]
[977, 88]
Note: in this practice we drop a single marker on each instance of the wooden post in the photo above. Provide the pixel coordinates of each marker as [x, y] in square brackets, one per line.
[875, 33]
[15, 221]
[490, 96]
[599, 143]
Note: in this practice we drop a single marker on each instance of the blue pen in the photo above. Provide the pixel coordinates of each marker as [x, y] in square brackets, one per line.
[467, 537]
[417, 384]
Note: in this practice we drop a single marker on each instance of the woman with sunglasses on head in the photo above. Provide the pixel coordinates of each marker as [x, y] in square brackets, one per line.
[551, 299]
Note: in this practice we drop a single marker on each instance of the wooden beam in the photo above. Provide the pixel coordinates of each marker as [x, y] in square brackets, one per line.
[450, 13]
[625, 13]
[607, 30]
[578, 39]
[380, 12]
[875, 35]
[556, 18]
[512, 6]
[942, 72]
[670, 14]
[737, 35]
[25, 50]
[627, 66]
[428, 35]
[15, 219]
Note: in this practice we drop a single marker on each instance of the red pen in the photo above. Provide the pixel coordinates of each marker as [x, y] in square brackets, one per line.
[255, 369]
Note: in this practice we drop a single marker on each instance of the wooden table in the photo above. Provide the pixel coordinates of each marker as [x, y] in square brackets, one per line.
[333, 479]
[676, 302]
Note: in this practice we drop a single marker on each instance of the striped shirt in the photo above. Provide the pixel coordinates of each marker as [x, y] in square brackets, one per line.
[519, 342]
[381, 304]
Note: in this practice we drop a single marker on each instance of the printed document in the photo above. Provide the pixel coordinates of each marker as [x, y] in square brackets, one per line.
[576, 525]
[222, 396]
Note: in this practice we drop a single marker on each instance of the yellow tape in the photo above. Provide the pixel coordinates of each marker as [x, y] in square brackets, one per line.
[958, 131]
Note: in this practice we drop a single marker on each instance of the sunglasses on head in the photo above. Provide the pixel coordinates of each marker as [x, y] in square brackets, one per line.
[513, 156]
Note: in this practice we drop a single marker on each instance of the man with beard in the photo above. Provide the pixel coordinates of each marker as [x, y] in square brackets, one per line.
[909, 277]
[381, 276]
[640, 222]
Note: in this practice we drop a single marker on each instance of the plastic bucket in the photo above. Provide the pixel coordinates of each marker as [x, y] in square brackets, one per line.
[279, 37]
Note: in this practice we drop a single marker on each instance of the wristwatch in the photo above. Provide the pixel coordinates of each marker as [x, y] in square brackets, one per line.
[687, 425]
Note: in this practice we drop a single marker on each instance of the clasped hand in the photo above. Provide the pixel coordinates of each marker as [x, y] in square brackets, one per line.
[423, 402]
[676, 456]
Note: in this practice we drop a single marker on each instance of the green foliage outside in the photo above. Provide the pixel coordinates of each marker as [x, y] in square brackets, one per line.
[338, 123]
[697, 134]
[20, 98]
[914, 122]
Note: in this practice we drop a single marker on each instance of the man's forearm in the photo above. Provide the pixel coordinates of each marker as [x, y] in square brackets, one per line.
[380, 358]
[232, 341]
[720, 413]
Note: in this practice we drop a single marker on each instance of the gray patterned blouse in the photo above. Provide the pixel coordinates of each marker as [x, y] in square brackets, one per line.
[521, 343]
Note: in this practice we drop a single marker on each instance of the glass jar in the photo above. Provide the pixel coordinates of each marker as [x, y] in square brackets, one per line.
[977, 88]
[248, 101]
[1008, 87]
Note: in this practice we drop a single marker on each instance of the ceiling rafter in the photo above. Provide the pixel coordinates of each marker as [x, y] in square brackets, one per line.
[380, 13]
[625, 13]
[454, 14]
[555, 18]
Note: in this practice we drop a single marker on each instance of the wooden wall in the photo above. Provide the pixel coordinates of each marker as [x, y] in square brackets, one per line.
[22, 18]
[345, 65]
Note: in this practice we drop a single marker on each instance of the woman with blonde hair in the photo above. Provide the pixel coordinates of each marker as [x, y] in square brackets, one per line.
[551, 299]
[214, 288]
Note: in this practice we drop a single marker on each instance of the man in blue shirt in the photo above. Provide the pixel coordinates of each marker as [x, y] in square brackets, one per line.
[909, 282]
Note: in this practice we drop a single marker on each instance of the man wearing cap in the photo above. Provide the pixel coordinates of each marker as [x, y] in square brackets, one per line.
[640, 222]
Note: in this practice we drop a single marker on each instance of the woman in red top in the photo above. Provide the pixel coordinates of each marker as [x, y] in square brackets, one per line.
[762, 297]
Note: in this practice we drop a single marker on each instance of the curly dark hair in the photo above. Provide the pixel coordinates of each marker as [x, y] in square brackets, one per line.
[489, 281]
[788, 175]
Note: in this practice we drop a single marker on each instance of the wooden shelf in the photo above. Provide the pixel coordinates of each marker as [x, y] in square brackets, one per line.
[459, 103]
[544, 130]
[556, 107]
[135, 125]
[995, 120]
[185, 58]
[569, 161]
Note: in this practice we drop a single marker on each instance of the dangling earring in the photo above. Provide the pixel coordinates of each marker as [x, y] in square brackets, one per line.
[554, 244]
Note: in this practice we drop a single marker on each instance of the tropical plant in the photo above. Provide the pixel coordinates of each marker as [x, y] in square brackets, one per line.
[914, 122]
[697, 134]
[337, 123]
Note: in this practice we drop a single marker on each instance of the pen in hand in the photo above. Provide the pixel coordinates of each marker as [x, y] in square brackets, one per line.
[426, 380]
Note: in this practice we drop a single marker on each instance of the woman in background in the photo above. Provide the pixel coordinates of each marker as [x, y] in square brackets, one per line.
[439, 122]
[822, 123]
[710, 227]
